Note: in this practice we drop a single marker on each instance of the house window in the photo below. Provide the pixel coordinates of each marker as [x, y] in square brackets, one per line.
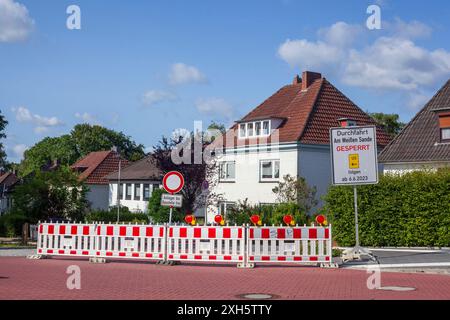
[128, 189]
[444, 126]
[146, 191]
[121, 191]
[445, 134]
[242, 130]
[266, 128]
[254, 129]
[269, 170]
[227, 171]
[225, 207]
[137, 191]
[250, 129]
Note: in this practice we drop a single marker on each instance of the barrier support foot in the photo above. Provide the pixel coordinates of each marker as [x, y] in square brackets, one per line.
[329, 265]
[167, 263]
[37, 256]
[242, 265]
[97, 260]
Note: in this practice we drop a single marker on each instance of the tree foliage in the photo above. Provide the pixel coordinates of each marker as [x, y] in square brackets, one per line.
[296, 190]
[390, 122]
[46, 195]
[3, 124]
[82, 140]
[408, 210]
[185, 154]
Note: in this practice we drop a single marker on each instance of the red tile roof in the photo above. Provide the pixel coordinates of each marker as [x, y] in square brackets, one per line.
[96, 165]
[419, 141]
[308, 114]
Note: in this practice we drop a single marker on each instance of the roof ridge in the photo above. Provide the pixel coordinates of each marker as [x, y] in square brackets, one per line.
[322, 80]
[410, 123]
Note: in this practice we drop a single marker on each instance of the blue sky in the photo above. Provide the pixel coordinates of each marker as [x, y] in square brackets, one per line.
[149, 67]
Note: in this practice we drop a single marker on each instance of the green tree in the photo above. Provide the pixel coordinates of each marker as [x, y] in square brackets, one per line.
[90, 138]
[62, 148]
[3, 124]
[390, 122]
[82, 140]
[47, 195]
[296, 190]
[159, 213]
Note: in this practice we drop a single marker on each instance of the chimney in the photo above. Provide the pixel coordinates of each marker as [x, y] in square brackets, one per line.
[297, 80]
[308, 78]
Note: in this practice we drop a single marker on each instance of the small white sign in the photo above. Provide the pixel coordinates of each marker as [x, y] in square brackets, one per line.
[205, 246]
[171, 200]
[67, 242]
[289, 247]
[354, 155]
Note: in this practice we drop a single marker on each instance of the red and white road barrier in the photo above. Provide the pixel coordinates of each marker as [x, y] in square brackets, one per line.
[66, 239]
[130, 241]
[238, 244]
[289, 244]
[102, 240]
[206, 243]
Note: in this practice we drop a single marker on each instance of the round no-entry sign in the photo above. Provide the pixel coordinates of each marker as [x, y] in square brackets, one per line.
[173, 182]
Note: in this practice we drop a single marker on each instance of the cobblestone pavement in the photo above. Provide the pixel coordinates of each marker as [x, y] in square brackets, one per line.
[22, 278]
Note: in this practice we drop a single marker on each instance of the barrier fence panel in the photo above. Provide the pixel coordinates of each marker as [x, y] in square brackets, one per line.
[289, 244]
[206, 243]
[244, 245]
[66, 239]
[130, 241]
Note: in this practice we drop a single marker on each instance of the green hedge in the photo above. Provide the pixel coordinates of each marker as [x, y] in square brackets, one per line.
[111, 216]
[408, 210]
[11, 225]
[270, 214]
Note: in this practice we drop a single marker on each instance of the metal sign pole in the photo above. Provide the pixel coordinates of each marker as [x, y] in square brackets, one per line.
[170, 215]
[355, 194]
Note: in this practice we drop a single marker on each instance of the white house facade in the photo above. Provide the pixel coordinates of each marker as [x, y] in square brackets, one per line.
[288, 134]
[136, 184]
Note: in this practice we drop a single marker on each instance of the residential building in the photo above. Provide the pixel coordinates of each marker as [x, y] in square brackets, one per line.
[424, 143]
[92, 170]
[137, 182]
[7, 182]
[286, 134]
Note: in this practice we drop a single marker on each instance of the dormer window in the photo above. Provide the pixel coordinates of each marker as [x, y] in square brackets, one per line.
[254, 129]
[346, 122]
[444, 126]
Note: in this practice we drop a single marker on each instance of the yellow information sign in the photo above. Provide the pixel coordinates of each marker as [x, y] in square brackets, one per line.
[353, 161]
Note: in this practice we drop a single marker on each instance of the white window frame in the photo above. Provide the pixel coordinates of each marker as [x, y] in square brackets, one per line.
[254, 135]
[223, 164]
[442, 134]
[272, 179]
[225, 205]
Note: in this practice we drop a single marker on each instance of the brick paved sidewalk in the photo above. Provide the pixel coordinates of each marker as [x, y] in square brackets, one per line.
[46, 279]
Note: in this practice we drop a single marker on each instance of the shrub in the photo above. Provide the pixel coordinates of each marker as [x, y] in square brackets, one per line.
[11, 225]
[270, 214]
[408, 210]
[159, 213]
[111, 216]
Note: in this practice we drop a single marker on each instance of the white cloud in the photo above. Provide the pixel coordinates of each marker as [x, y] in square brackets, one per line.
[18, 150]
[393, 61]
[181, 73]
[87, 118]
[408, 30]
[215, 106]
[15, 22]
[153, 97]
[42, 124]
[328, 50]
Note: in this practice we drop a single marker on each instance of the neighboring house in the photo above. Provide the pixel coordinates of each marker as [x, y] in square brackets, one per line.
[287, 134]
[425, 142]
[92, 170]
[7, 182]
[137, 182]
